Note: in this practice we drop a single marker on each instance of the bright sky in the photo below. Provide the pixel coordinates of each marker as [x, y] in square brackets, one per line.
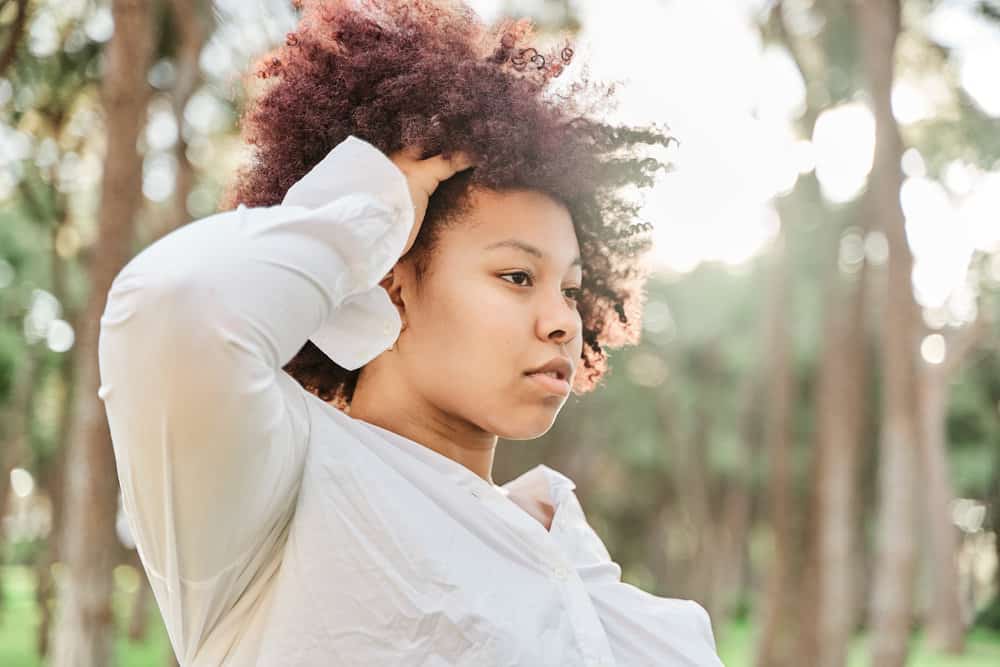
[700, 68]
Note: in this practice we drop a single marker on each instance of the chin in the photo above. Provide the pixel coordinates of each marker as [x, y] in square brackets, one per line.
[529, 427]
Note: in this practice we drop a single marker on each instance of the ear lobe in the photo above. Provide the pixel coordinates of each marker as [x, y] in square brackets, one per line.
[393, 285]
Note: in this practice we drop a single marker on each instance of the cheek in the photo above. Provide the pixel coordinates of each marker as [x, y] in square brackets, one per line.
[478, 320]
[468, 320]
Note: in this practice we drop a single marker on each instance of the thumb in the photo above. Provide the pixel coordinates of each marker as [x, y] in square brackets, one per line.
[443, 168]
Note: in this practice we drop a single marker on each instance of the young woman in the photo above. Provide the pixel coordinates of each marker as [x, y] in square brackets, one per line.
[305, 393]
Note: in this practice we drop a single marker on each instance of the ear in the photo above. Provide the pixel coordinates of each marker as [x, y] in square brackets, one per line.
[393, 283]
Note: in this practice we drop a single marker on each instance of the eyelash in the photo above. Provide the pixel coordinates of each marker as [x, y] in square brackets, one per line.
[575, 290]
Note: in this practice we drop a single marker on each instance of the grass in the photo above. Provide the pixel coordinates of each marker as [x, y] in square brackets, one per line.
[982, 649]
[19, 621]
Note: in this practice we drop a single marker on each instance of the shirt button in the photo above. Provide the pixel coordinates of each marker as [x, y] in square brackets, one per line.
[560, 573]
[386, 329]
[477, 493]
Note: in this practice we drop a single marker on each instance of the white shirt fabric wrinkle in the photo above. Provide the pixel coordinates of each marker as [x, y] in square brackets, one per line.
[278, 530]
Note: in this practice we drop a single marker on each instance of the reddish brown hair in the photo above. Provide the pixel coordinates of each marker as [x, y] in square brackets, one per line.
[413, 72]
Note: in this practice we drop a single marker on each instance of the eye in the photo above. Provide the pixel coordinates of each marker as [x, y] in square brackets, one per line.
[520, 275]
[572, 293]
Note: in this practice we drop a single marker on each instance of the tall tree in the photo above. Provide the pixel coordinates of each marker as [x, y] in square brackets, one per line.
[778, 639]
[840, 413]
[878, 24]
[83, 630]
[946, 615]
[828, 612]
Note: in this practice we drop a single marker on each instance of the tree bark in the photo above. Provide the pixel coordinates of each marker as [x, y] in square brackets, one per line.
[732, 551]
[50, 478]
[83, 632]
[778, 640]
[892, 598]
[192, 26]
[138, 625]
[946, 617]
[14, 446]
[840, 409]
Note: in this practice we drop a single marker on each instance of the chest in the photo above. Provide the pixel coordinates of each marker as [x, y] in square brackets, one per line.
[385, 571]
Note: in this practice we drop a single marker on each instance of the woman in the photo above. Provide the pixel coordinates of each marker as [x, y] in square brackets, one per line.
[305, 393]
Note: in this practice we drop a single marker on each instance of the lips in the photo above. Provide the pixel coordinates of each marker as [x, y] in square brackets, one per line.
[550, 384]
[559, 367]
[553, 377]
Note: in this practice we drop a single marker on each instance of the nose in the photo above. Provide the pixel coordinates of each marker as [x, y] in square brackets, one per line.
[558, 320]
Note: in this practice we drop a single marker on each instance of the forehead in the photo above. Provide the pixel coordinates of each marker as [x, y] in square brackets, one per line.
[528, 216]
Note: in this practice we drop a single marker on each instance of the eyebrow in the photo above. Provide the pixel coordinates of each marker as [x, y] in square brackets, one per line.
[526, 247]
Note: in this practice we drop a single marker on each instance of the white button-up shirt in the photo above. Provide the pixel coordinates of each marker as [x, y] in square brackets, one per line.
[277, 530]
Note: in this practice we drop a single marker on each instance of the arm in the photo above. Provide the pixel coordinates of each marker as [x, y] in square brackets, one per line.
[209, 433]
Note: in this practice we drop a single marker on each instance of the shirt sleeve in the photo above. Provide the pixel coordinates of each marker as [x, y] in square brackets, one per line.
[642, 628]
[209, 433]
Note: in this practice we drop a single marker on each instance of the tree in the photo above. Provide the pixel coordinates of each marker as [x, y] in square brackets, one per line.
[946, 622]
[83, 631]
[780, 617]
[878, 22]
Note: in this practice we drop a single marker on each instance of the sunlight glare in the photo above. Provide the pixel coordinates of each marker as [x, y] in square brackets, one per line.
[933, 348]
[939, 238]
[844, 139]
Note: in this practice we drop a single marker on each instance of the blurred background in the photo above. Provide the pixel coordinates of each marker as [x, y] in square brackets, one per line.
[807, 440]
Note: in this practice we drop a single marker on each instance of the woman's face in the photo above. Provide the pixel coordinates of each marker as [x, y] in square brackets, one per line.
[497, 301]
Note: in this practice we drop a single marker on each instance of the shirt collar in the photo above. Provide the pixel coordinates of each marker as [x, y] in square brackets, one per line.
[446, 467]
[559, 484]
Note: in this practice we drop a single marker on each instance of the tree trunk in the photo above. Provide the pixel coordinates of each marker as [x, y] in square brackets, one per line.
[946, 618]
[83, 632]
[734, 526]
[50, 478]
[189, 18]
[14, 426]
[138, 624]
[778, 640]
[840, 409]
[892, 598]
[689, 520]
[696, 487]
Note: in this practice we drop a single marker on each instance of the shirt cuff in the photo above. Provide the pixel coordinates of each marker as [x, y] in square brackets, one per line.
[366, 323]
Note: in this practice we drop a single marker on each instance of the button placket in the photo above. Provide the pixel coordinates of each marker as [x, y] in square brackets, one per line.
[583, 617]
[555, 564]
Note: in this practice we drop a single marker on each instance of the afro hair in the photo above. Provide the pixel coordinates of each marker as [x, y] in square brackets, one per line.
[400, 73]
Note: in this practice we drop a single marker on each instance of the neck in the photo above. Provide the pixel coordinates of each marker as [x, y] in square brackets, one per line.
[384, 399]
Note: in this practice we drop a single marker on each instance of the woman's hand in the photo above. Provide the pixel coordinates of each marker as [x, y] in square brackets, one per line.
[423, 177]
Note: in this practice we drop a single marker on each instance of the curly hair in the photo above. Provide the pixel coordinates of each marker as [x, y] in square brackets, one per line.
[418, 72]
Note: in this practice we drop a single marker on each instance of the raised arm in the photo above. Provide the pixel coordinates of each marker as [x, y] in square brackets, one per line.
[209, 433]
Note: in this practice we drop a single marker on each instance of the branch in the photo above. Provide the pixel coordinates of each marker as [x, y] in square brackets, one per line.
[16, 33]
[775, 25]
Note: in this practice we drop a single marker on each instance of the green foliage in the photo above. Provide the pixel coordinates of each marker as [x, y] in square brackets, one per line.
[19, 619]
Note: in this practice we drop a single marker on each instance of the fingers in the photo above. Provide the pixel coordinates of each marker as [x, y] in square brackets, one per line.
[444, 168]
[437, 165]
[407, 154]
